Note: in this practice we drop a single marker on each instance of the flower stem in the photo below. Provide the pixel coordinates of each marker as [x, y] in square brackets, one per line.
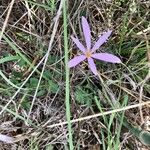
[67, 90]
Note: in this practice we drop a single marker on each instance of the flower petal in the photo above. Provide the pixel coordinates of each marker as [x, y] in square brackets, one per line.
[79, 44]
[76, 60]
[92, 65]
[102, 39]
[6, 139]
[106, 57]
[86, 32]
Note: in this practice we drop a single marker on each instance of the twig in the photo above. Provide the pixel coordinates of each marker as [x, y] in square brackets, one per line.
[6, 20]
[100, 114]
[47, 54]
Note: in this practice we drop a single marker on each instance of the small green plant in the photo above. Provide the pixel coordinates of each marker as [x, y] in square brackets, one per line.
[83, 96]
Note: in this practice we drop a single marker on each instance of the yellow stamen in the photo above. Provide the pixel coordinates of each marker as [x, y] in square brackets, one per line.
[88, 54]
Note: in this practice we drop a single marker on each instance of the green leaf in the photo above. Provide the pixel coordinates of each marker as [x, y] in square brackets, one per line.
[83, 96]
[9, 58]
[145, 137]
[17, 75]
[17, 51]
[53, 86]
[49, 147]
[26, 104]
[33, 82]
[41, 92]
[47, 74]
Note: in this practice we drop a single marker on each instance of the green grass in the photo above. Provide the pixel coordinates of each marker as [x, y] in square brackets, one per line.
[67, 87]
[48, 104]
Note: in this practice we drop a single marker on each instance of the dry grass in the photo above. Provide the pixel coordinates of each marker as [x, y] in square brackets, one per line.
[38, 121]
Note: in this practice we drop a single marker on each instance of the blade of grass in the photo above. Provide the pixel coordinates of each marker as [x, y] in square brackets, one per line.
[47, 54]
[103, 139]
[122, 115]
[3, 109]
[14, 47]
[52, 5]
[67, 90]
[7, 80]
[6, 59]
[109, 133]
[136, 131]
[9, 58]
[109, 123]
[20, 117]
[39, 4]
[97, 102]
[99, 114]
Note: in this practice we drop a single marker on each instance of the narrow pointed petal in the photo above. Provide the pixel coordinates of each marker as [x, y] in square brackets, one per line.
[86, 32]
[76, 60]
[92, 66]
[79, 44]
[106, 57]
[102, 39]
[6, 139]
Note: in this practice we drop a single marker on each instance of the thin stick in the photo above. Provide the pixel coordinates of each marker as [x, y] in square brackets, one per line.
[6, 20]
[47, 54]
[22, 85]
[100, 114]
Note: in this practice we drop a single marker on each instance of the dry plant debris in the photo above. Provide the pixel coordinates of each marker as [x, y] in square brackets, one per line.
[108, 111]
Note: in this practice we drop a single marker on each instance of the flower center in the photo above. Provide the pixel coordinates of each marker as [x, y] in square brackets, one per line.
[88, 54]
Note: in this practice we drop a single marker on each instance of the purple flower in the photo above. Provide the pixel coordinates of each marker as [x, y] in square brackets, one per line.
[89, 52]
